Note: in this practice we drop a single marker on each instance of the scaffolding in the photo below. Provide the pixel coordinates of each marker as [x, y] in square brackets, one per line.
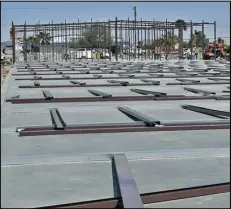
[112, 39]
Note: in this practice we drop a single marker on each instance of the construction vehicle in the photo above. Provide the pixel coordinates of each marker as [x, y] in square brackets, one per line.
[211, 53]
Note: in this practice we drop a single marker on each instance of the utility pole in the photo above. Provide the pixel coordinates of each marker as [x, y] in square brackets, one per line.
[134, 9]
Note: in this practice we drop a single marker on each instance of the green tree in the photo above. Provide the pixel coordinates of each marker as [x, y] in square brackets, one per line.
[34, 42]
[220, 40]
[197, 40]
[181, 25]
[96, 36]
[186, 44]
[44, 38]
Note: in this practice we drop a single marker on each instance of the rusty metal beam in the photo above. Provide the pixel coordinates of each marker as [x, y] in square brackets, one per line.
[153, 197]
[52, 72]
[78, 84]
[89, 78]
[201, 83]
[126, 129]
[112, 99]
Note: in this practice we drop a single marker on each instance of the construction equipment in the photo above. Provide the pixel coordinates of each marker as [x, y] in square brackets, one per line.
[210, 53]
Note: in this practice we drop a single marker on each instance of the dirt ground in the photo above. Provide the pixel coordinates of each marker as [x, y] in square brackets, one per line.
[4, 71]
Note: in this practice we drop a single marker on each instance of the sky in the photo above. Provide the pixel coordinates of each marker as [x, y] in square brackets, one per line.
[32, 12]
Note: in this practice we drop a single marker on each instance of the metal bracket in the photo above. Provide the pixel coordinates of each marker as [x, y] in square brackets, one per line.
[77, 82]
[47, 95]
[37, 77]
[36, 83]
[15, 97]
[66, 76]
[126, 76]
[98, 76]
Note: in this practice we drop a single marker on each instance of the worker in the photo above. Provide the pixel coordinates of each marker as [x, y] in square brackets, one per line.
[196, 53]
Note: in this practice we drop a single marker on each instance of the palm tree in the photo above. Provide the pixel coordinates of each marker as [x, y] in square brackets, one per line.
[220, 40]
[41, 38]
[44, 38]
[181, 25]
[199, 38]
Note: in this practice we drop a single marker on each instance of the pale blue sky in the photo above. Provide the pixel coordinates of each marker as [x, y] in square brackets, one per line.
[32, 12]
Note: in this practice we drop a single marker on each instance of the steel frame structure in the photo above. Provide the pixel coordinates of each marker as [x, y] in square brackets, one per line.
[124, 34]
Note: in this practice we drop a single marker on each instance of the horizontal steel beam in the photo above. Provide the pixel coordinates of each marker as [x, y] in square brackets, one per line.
[81, 99]
[80, 84]
[88, 78]
[125, 130]
[128, 98]
[201, 83]
[153, 197]
[84, 126]
[81, 72]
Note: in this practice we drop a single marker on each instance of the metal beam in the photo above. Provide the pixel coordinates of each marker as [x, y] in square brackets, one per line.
[140, 77]
[198, 91]
[127, 129]
[99, 93]
[79, 83]
[36, 83]
[145, 92]
[137, 116]
[153, 197]
[127, 185]
[47, 95]
[207, 111]
[123, 83]
[150, 81]
[188, 80]
[57, 120]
